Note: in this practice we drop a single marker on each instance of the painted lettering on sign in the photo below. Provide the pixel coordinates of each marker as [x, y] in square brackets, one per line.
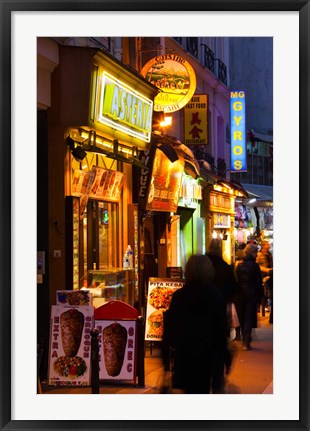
[238, 131]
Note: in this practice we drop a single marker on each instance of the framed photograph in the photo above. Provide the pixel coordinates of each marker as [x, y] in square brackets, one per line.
[287, 22]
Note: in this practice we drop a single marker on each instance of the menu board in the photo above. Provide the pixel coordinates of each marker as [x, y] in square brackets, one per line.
[117, 349]
[73, 297]
[160, 291]
[70, 345]
[174, 272]
[107, 184]
[81, 184]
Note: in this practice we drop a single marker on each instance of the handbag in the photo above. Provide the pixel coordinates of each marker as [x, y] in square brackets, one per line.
[233, 319]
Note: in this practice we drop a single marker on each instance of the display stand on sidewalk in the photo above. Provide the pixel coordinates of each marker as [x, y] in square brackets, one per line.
[120, 343]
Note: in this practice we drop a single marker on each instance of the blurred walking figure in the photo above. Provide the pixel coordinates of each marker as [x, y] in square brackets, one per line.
[237, 297]
[224, 280]
[195, 329]
[224, 277]
[250, 282]
[265, 261]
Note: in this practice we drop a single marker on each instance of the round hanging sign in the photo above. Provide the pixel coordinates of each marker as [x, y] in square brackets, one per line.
[176, 79]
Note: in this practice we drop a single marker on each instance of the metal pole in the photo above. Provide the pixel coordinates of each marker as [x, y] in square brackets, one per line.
[94, 361]
[140, 353]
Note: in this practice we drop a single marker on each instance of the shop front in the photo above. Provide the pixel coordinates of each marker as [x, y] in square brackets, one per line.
[254, 216]
[219, 196]
[167, 190]
[101, 118]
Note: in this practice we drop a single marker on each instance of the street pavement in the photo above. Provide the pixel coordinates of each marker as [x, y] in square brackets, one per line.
[251, 371]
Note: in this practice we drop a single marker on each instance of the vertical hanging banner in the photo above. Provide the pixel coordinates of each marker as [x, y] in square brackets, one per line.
[196, 120]
[238, 131]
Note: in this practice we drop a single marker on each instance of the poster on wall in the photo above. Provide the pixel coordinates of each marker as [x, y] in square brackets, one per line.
[166, 183]
[160, 291]
[117, 349]
[70, 345]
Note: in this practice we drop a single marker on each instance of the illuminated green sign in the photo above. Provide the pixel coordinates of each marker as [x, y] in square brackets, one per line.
[124, 109]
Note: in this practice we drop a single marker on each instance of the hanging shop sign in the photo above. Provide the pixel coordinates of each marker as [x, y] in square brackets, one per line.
[196, 120]
[70, 345]
[122, 108]
[165, 185]
[160, 291]
[238, 131]
[175, 78]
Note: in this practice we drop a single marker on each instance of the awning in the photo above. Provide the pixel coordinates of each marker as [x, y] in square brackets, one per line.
[174, 150]
[211, 178]
[256, 191]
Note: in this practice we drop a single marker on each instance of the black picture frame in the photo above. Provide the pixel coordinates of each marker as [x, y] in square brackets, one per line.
[9, 6]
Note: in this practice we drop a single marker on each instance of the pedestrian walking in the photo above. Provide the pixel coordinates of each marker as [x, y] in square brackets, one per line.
[224, 280]
[224, 277]
[237, 299]
[250, 281]
[195, 329]
[265, 261]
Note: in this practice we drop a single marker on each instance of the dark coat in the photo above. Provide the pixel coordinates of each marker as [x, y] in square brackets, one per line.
[224, 277]
[249, 277]
[195, 327]
[250, 284]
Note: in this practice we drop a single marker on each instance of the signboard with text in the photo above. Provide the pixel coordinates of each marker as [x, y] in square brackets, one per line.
[166, 183]
[160, 291]
[123, 108]
[238, 131]
[196, 120]
[176, 79]
[70, 345]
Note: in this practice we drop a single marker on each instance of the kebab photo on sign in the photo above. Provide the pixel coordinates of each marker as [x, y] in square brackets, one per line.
[114, 340]
[71, 330]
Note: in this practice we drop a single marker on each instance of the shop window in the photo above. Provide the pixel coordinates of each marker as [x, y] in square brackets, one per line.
[100, 235]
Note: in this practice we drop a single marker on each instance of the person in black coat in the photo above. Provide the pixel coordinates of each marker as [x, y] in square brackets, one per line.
[195, 329]
[224, 277]
[250, 282]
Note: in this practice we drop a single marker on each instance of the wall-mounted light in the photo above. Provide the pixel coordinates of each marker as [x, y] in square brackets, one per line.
[77, 151]
[167, 121]
[113, 149]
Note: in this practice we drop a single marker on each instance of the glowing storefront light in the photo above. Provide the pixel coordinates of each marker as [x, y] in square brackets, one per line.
[123, 108]
[238, 133]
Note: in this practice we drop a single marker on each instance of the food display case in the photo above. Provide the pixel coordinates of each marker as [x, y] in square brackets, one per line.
[110, 285]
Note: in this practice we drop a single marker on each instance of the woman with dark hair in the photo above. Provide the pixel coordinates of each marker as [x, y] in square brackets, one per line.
[195, 328]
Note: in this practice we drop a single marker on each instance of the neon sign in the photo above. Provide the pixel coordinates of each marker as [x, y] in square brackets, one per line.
[123, 108]
[238, 134]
